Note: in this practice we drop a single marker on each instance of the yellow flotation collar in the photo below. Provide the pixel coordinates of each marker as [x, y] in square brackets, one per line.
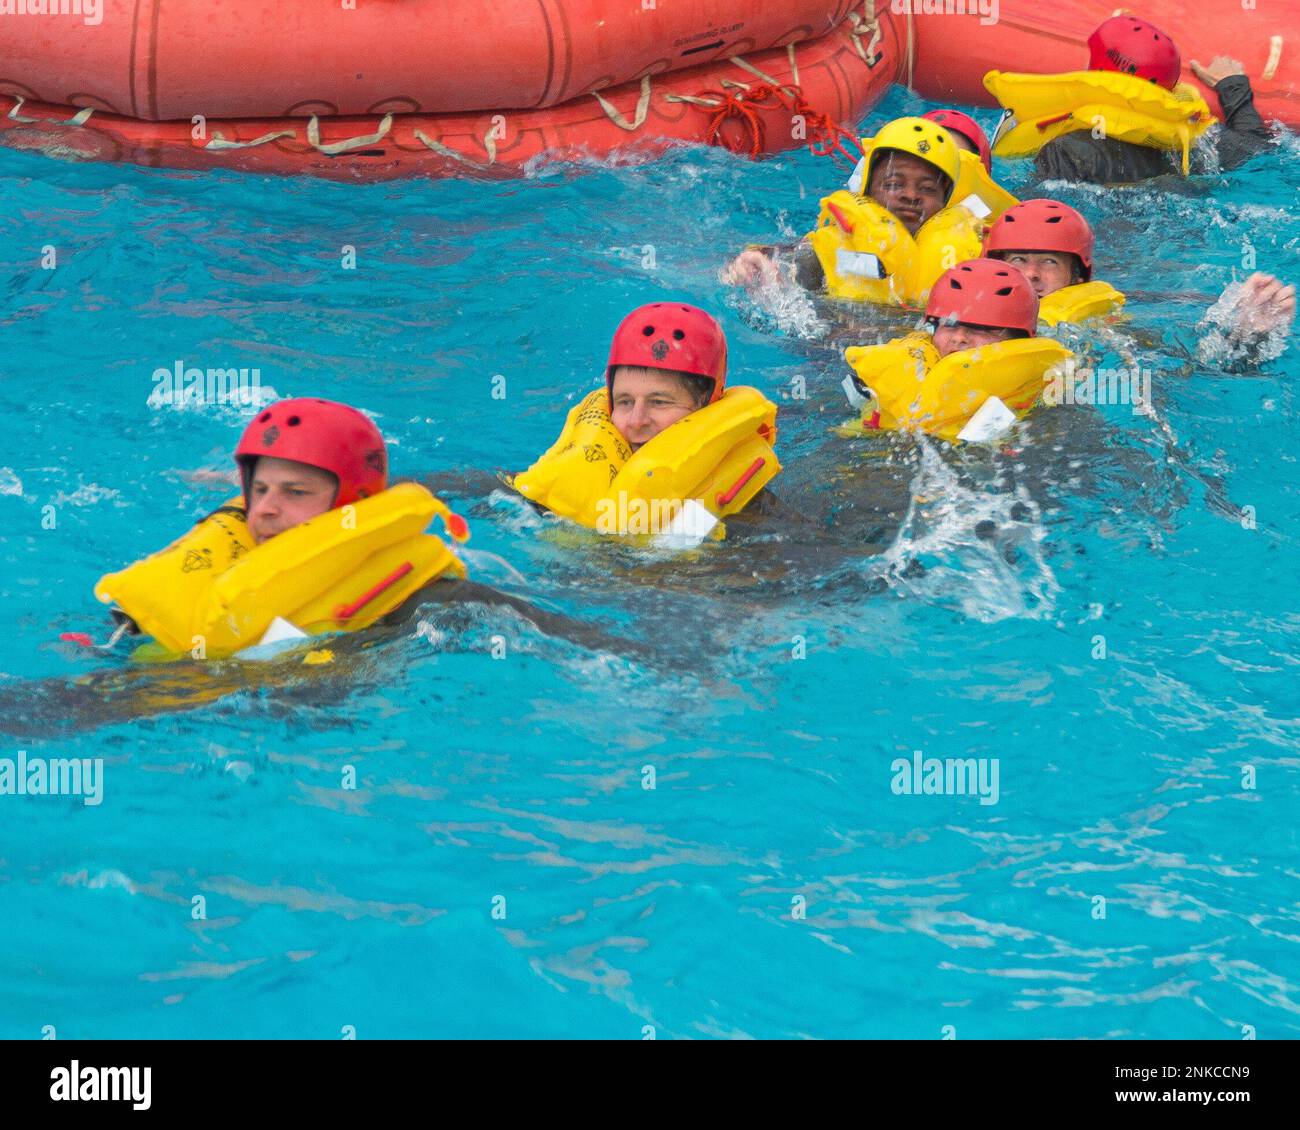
[214, 591]
[1041, 108]
[720, 455]
[915, 390]
[1079, 302]
[868, 255]
[978, 192]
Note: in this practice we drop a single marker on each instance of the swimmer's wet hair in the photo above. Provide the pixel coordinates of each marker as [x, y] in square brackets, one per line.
[699, 389]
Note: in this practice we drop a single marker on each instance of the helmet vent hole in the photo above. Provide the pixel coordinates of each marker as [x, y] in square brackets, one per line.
[264, 417]
[648, 331]
[293, 421]
[1003, 292]
[678, 335]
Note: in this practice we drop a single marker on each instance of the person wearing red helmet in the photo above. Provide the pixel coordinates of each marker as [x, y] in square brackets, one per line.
[1128, 45]
[980, 302]
[982, 365]
[1050, 242]
[267, 567]
[1053, 245]
[666, 361]
[299, 458]
[967, 132]
[665, 446]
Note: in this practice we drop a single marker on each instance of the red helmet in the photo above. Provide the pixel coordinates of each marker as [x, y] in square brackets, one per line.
[321, 434]
[956, 122]
[985, 292]
[673, 337]
[1042, 225]
[1134, 47]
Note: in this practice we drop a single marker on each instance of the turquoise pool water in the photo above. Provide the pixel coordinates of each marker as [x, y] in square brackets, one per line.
[500, 868]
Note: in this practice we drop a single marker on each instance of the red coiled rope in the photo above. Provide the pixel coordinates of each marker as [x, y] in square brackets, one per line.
[826, 136]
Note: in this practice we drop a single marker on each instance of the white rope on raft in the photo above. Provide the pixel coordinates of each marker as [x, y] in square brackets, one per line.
[1274, 58]
[753, 70]
[218, 142]
[870, 25]
[694, 100]
[638, 117]
[489, 143]
[313, 136]
[80, 118]
[643, 103]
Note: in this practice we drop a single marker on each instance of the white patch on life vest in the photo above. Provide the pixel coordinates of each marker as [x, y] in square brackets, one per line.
[857, 177]
[976, 207]
[988, 423]
[688, 527]
[279, 636]
[853, 392]
[860, 263]
[280, 629]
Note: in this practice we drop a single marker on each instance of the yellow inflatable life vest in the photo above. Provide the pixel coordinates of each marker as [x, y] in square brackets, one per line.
[341, 571]
[978, 192]
[1041, 108]
[868, 255]
[915, 390]
[720, 456]
[1078, 302]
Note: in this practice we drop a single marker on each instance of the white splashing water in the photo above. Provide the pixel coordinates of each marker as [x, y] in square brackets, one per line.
[1221, 346]
[244, 401]
[789, 309]
[517, 515]
[491, 569]
[10, 483]
[988, 578]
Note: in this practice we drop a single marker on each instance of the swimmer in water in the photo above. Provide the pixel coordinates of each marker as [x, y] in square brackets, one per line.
[305, 457]
[913, 170]
[298, 459]
[666, 447]
[1127, 45]
[1053, 246]
[651, 385]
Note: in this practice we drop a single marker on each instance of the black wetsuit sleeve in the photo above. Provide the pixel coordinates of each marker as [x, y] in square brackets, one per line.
[808, 271]
[799, 258]
[1079, 156]
[1244, 133]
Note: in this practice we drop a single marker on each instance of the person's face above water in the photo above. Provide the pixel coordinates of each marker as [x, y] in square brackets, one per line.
[949, 338]
[645, 401]
[1047, 271]
[912, 189]
[284, 494]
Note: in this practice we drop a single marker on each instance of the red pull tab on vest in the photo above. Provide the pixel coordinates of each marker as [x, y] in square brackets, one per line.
[738, 485]
[1042, 126]
[347, 611]
[840, 217]
[456, 526]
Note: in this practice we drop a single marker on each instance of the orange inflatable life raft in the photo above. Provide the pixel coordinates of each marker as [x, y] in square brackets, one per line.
[392, 88]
